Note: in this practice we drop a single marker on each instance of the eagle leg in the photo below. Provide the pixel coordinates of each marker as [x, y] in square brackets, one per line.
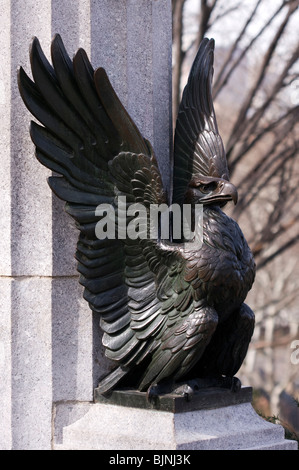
[225, 353]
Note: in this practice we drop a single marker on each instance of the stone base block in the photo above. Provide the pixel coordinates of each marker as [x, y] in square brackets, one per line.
[114, 427]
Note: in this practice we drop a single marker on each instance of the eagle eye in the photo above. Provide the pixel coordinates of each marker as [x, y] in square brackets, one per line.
[206, 188]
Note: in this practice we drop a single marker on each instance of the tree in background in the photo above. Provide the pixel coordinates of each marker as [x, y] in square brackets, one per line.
[256, 94]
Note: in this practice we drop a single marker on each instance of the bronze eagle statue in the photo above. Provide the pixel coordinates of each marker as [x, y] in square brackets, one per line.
[171, 312]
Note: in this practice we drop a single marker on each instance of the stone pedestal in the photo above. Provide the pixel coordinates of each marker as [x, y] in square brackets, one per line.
[211, 420]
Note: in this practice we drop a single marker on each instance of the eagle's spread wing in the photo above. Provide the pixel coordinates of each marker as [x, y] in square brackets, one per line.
[198, 147]
[136, 286]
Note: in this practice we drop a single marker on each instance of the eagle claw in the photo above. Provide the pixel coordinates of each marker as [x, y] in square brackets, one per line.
[235, 384]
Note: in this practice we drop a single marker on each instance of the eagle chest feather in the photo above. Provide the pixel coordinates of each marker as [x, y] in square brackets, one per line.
[222, 271]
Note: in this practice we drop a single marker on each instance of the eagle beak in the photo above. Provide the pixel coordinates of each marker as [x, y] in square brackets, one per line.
[228, 192]
[223, 193]
[208, 190]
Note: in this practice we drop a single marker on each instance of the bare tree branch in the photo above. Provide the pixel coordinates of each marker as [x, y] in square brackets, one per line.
[253, 121]
[205, 14]
[251, 140]
[260, 176]
[278, 252]
[219, 82]
[178, 55]
[240, 123]
[224, 13]
[236, 63]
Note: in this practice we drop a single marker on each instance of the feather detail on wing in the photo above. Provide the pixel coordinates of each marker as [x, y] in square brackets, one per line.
[84, 127]
[182, 345]
[198, 148]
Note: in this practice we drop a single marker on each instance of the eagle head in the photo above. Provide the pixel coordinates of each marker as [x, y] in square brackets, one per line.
[210, 190]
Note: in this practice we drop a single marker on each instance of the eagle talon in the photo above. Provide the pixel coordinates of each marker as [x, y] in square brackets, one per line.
[235, 385]
[152, 394]
[188, 392]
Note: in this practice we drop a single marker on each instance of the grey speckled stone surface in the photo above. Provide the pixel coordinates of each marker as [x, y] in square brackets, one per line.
[49, 341]
[110, 427]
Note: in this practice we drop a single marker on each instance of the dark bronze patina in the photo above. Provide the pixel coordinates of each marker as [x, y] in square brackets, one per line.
[173, 315]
